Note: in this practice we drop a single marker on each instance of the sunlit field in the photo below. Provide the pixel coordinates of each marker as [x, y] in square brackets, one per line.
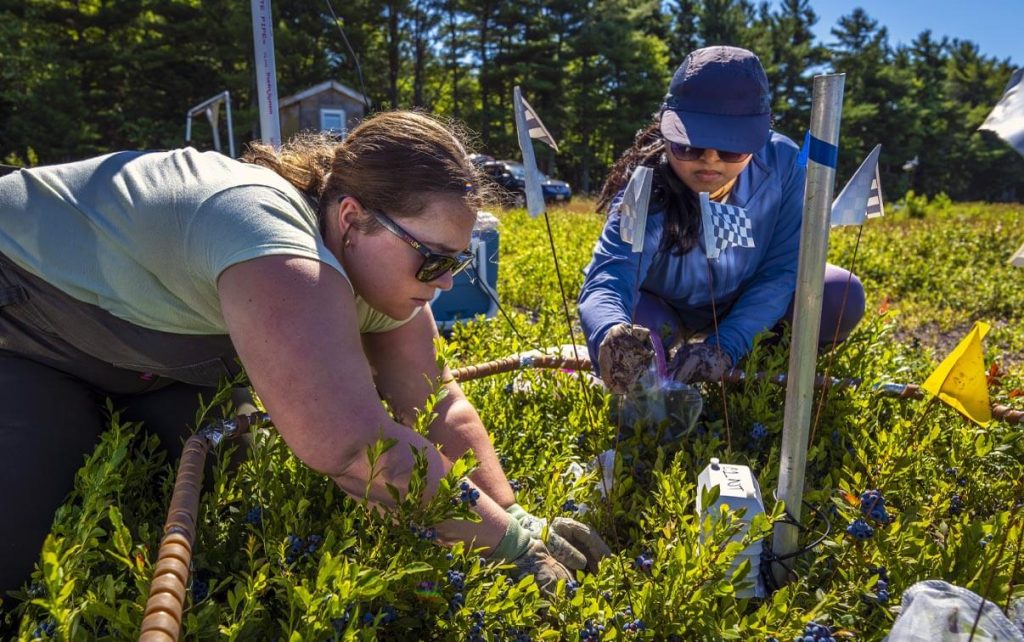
[282, 554]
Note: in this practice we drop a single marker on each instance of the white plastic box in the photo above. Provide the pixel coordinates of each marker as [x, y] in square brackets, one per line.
[738, 489]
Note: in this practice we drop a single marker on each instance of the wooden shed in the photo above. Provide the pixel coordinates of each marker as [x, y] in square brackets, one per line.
[329, 106]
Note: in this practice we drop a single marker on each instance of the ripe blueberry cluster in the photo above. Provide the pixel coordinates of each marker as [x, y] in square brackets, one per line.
[295, 546]
[644, 561]
[952, 472]
[882, 585]
[457, 602]
[872, 505]
[571, 586]
[457, 579]
[429, 534]
[469, 494]
[591, 632]
[635, 626]
[758, 431]
[298, 547]
[313, 543]
[956, 505]
[476, 632]
[570, 506]
[200, 589]
[859, 530]
[46, 629]
[516, 485]
[254, 516]
[815, 632]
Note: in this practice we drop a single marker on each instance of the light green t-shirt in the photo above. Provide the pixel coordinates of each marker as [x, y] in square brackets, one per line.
[144, 235]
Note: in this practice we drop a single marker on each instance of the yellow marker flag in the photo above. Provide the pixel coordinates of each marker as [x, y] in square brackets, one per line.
[960, 379]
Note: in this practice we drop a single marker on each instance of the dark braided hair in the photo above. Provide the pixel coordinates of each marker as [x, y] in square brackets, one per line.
[668, 193]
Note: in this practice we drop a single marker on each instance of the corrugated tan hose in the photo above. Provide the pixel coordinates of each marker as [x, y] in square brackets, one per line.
[162, 617]
[735, 375]
[161, 621]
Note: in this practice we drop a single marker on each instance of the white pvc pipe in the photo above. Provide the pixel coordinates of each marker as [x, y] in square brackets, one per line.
[266, 72]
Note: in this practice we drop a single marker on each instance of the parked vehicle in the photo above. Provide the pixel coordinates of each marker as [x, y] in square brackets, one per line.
[511, 176]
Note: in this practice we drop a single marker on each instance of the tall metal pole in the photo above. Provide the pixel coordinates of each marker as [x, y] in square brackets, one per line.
[266, 72]
[231, 129]
[826, 110]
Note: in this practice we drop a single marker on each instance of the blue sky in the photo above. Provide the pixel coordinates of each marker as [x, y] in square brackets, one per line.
[994, 25]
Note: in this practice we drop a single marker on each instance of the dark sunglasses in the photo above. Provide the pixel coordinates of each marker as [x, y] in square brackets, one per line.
[434, 264]
[687, 153]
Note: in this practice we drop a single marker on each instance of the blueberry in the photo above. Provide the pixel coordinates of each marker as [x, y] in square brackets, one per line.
[200, 589]
[254, 516]
[859, 530]
[758, 431]
[312, 543]
[571, 586]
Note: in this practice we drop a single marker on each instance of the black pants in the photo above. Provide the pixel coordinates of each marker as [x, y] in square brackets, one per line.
[60, 359]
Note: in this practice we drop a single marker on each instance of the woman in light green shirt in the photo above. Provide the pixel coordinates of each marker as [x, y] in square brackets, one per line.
[145, 277]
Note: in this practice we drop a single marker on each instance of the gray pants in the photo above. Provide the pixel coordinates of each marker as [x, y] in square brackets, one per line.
[60, 359]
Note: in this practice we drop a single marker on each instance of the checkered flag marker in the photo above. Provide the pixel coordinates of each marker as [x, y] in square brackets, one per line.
[534, 127]
[724, 226]
[528, 126]
[862, 196]
[633, 208]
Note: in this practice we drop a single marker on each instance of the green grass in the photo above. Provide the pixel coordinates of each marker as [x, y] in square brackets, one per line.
[365, 578]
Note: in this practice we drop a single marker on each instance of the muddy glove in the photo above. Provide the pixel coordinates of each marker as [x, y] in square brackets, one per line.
[575, 544]
[529, 556]
[624, 355]
[699, 362]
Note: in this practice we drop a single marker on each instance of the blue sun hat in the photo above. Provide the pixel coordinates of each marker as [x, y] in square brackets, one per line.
[718, 98]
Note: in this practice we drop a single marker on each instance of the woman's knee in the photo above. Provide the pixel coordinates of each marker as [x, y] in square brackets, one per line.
[842, 303]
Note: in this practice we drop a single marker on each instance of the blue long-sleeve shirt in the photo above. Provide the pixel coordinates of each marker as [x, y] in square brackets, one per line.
[752, 286]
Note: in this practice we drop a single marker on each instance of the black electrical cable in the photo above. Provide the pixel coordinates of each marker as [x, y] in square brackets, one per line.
[355, 58]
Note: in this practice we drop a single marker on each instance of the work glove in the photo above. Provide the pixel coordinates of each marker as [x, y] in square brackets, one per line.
[529, 556]
[699, 362]
[625, 353]
[575, 544]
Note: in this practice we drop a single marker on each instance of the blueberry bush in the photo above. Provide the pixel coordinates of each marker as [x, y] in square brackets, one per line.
[897, 491]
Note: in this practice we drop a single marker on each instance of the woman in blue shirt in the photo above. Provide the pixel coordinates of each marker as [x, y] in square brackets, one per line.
[713, 134]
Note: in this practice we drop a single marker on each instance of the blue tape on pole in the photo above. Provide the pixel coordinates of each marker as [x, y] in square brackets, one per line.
[823, 153]
[805, 151]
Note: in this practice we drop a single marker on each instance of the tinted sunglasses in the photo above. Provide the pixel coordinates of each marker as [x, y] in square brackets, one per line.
[434, 264]
[687, 153]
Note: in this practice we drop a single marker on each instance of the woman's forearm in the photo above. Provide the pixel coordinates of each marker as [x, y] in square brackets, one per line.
[459, 428]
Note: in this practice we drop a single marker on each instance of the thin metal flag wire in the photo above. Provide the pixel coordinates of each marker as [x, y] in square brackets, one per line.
[835, 338]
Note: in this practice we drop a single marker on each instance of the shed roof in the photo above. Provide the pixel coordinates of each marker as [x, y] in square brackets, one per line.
[324, 86]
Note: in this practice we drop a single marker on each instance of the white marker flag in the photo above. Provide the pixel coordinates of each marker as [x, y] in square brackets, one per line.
[633, 208]
[1007, 117]
[1017, 260]
[534, 194]
[862, 196]
[724, 226]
